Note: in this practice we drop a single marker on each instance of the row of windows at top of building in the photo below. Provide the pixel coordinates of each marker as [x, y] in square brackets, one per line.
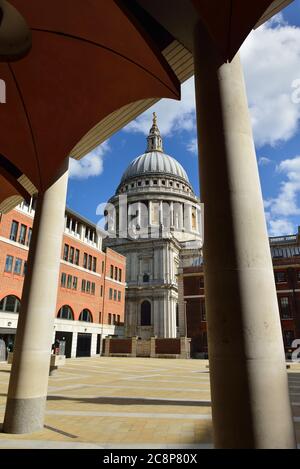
[289, 251]
[22, 235]
[74, 227]
[156, 182]
[281, 277]
[116, 273]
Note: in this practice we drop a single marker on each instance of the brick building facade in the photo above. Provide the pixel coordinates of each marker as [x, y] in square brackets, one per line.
[91, 290]
[285, 251]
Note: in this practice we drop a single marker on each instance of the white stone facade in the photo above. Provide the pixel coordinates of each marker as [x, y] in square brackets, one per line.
[149, 220]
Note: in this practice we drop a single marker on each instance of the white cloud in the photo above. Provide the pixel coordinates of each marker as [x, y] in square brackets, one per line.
[285, 205]
[270, 57]
[172, 115]
[90, 165]
[264, 161]
[192, 146]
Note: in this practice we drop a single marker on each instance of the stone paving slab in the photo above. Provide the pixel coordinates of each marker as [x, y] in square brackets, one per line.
[128, 403]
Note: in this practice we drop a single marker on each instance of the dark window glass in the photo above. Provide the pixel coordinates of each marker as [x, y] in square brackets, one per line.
[69, 283]
[75, 283]
[101, 291]
[14, 230]
[118, 319]
[120, 275]
[85, 316]
[288, 337]
[145, 278]
[71, 257]
[85, 258]
[66, 252]
[29, 236]
[285, 307]
[25, 268]
[119, 296]
[88, 286]
[111, 271]
[90, 263]
[102, 267]
[115, 295]
[10, 304]
[22, 235]
[63, 280]
[8, 264]
[94, 264]
[83, 285]
[93, 288]
[203, 311]
[65, 312]
[109, 318]
[77, 254]
[146, 313]
[280, 277]
[18, 266]
[110, 293]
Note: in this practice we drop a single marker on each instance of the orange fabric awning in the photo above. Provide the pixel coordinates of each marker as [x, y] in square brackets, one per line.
[87, 60]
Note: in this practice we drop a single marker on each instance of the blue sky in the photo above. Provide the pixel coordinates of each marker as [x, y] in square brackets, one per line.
[271, 60]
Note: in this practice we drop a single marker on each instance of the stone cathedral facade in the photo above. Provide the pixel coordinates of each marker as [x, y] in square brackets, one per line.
[153, 219]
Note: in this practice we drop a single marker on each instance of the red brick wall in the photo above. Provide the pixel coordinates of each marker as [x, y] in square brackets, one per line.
[12, 284]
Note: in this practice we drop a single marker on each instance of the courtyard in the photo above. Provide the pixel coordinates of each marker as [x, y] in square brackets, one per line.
[96, 403]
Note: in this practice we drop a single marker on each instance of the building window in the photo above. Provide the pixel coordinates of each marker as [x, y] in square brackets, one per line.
[90, 262]
[119, 296]
[83, 285]
[14, 230]
[116, 273]
[120, 275]
[22, 235]
[101, 291]
[201, 282]
[155, 182]
[109, 318]
[85, 259]
[118, 319]
[63, 280]
[77, 254]
[139, 183]
[69, 282]
[280, 277]
[66, 312]
[100, 316]
[8, 264]
[25, 268]
[88, 286]
[146, 278]
[10, 304]
[18, 266]
[71, 257]
[29, 236]
[111, 271]
[66, 252]
[75, 283]
[146, 313]
[94, 264]
[285, 308]
[115, 295]
[147, 183]
[203, 311]
[288, 337]
[93, 288]
[102, 267]
[110, 293]
[163, 183]
[86, 316]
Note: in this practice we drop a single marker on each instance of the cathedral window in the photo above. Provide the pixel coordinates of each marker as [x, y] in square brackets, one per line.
[146, 313]
[146, 278]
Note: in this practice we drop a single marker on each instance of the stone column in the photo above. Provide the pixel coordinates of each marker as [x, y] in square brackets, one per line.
[28, 383]
[250, 400]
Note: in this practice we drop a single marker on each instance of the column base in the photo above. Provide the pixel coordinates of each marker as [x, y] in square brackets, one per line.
[24, 415]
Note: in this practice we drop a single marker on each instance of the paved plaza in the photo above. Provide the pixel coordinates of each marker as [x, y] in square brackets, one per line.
[128, 403]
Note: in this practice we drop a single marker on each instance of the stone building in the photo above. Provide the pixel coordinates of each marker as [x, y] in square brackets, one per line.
[151, 217]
